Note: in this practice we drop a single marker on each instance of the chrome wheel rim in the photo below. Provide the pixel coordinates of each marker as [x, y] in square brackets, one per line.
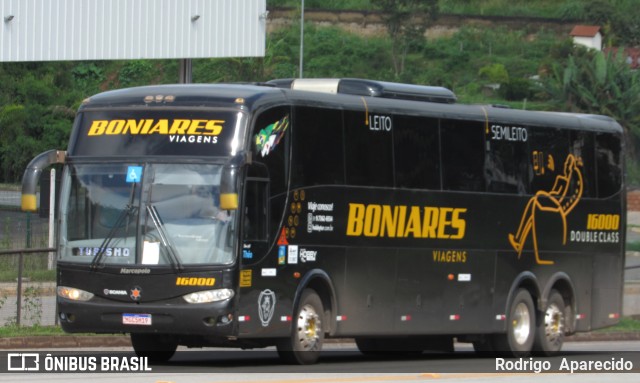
[553, 323]
[309, 328]
[521, 323]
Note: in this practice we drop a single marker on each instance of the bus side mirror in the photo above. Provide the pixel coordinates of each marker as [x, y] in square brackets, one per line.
[229, 182]
[229, 201]
[32, 175]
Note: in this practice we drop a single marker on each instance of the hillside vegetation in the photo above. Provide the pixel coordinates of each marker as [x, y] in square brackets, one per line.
[38, 100]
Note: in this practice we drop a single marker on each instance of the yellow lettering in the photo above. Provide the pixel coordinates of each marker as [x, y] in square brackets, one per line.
[193, 281]
[161, 127]
[389, 221]
[214, 127]
[133, 126]
[430, 224]
[449, 256]
[147, 126]
[97, 127]
[421, 222]
[355, 222]
[179, 126]
[196, 126]
[603, 222]
[458, 223]
[372, 220]
[443, 223]
[413, 223]
[115, 127]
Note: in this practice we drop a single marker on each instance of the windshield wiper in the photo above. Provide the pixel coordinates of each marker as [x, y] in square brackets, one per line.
[128, 209]
[157, 222]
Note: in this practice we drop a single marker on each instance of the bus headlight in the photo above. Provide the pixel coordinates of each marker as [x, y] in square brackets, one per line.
[208, 296]
[74, 294]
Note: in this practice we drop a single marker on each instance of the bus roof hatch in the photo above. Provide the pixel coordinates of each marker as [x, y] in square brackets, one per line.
[371, 88]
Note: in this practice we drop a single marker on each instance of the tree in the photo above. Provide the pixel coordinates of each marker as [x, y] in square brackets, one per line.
[406, 22]
[592, 82]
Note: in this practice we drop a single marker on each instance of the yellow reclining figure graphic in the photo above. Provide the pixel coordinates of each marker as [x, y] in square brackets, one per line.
[562, 199]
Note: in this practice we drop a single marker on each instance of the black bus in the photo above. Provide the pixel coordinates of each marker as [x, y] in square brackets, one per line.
[287, 212]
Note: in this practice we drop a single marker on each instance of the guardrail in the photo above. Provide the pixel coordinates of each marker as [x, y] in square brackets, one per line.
[21, 253]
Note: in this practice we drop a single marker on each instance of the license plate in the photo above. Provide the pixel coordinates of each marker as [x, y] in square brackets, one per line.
[137, 319]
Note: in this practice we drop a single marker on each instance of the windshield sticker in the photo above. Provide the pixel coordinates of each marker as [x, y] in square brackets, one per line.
[134, 174]
[151, 253]
[270, 137]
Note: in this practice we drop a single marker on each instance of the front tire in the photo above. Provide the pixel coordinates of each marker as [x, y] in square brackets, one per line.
[307, 337]
[551, 330]
[156, 348]
[521, 327]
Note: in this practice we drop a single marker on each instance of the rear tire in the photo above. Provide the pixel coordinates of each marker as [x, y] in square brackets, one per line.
[550, 333]
[305, 343]
[521, 327]
[156, 348]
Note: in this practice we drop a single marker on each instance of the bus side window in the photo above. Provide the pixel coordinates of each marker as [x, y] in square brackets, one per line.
[368, 151]
[271, 149]
[416, 152]
[318, 157]
[608, 160]
[463, 148]
[255, 211]
[507, 168]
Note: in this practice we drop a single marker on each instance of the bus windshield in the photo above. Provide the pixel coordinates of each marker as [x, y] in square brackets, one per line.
[145, 214]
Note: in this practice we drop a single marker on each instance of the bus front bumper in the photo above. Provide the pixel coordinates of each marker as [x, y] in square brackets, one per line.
[207, 319]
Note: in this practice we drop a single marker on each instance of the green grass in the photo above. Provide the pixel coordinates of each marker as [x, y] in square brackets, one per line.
[10, 187]
[633, 246]
[538, 8]
[18, 331]
[34, 268]
[626, 325]
[32, 275]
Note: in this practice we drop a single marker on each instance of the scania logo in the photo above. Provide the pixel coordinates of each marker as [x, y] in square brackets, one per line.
[114, 292]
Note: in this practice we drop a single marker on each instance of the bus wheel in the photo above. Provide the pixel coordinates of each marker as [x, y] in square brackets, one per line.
[305, 343]
[518, 341]
[156, 348]
[551, 330]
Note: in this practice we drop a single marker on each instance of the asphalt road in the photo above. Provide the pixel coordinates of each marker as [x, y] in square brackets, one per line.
[343, 363]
